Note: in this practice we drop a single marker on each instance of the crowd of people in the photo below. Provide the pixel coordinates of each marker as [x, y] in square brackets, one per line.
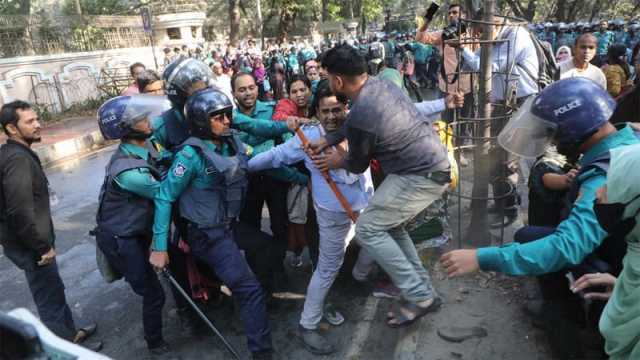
[337, 143]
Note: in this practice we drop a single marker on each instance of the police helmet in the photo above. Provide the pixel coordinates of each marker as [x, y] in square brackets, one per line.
[181, 75]
[566, 112]
[201, 106]
[563, 27]
[118, 116]
[634, 27]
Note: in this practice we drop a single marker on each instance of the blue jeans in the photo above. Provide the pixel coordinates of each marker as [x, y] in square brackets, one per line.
[47, 290]
[381, 231]
[218, 250]
[129, 256]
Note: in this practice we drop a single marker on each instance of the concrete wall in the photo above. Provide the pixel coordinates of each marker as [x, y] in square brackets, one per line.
[62, 80]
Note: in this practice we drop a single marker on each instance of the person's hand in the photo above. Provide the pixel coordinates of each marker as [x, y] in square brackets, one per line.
[316, 147]
[159, 260]
[455, 100]
[47, 258]
[591, 280]
[330, 159]
[570, 177]
[294, 122]
[460, 262]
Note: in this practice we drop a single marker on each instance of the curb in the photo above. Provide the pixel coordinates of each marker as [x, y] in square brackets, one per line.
[63, 150]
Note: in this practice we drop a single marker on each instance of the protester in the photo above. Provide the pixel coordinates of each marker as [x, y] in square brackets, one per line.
[26, 232]
[125, 210]
[617, 72]
[336, 228]
[134, 70]
[382, 112]
[297, 104]
[578, 110]
[149, 82]
[580, 64]
[221, 80]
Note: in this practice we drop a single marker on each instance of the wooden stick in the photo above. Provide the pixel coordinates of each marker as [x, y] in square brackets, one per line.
[332, 184]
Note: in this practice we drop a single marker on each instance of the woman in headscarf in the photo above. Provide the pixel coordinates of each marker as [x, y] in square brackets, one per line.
[563, 53]
[617, 208]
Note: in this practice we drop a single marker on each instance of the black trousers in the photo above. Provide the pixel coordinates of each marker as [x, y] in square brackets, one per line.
[47, 290]
[257, 247]
[130, 257]
[263, 189]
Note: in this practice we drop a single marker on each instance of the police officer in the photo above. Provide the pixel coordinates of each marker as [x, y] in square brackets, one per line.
[605, 38]
[564, 38]
[575, 113]
[633, 36]
[208, 180]
[125, 213]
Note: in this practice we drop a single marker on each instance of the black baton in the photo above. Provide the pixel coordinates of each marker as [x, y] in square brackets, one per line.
[204, 317]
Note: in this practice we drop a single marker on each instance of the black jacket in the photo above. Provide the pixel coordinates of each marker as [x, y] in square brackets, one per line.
[25, 214]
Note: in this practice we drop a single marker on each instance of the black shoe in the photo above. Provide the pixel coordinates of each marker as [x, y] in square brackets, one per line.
[162, 350]
[263, 355]
[188, 321]
[314, 342]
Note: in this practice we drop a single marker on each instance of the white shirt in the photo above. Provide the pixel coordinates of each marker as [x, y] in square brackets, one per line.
[223, 83]
[568, 70]
[517, 54]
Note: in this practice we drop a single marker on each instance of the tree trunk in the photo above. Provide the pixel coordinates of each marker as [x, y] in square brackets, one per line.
[234, 22]
[78, 7]
[325, 10]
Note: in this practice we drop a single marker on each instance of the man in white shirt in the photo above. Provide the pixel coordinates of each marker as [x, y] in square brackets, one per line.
[585, 50]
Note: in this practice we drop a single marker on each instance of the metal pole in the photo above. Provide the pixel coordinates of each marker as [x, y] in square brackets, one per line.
[478, 233]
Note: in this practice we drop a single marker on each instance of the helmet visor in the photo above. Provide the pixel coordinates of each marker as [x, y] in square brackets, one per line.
[142, 107]
[527, 135]
[188, 73]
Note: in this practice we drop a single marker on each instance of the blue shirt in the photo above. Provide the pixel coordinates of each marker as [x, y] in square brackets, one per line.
[575, 238]
[139, 181]
[357, 189]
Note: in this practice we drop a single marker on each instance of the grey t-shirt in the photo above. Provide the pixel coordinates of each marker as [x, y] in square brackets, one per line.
[384, 124]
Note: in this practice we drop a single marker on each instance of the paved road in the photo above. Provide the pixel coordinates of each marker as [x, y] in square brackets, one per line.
[468, 302]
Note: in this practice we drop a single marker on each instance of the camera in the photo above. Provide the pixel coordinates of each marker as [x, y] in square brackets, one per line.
[452, 30]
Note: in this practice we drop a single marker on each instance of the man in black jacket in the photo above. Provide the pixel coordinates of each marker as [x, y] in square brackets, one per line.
[26, 227]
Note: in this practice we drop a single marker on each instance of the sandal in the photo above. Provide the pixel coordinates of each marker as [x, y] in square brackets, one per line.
[417, 311]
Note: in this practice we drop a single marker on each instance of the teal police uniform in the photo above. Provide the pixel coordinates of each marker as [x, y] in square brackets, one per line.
[199, 181]
[575, 238]
[123, 231]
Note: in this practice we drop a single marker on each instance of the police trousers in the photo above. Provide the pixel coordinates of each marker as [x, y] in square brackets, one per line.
[216, 248]
[130, 257]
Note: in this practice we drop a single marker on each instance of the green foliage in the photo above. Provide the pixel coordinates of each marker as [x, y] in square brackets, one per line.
[15, 7]
[96, 7]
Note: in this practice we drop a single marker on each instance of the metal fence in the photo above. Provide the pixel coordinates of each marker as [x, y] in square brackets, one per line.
[41, 35]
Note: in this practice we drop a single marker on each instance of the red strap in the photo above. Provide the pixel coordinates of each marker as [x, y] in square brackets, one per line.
[343, 201]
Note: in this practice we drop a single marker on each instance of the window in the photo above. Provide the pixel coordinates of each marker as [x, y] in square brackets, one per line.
[174, 33]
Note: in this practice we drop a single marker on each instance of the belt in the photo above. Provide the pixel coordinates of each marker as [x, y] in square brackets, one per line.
[440, 177]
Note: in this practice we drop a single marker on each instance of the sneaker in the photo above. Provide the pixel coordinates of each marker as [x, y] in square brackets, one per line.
[332, 315]
[315, 342]
[386, 290]
[160, 350]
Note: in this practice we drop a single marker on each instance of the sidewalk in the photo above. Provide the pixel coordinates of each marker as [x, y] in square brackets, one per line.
[67, 138]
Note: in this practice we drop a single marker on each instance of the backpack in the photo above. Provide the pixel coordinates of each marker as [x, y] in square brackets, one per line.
[548, 69]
